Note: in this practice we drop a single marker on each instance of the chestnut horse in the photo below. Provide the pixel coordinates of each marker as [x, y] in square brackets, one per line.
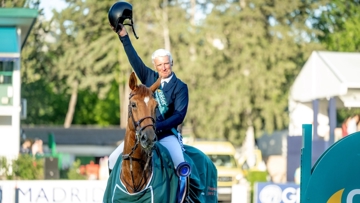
[144, 172]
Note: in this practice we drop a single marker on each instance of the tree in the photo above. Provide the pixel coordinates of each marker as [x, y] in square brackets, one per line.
[339, 21]
[239, 59]
[88, 60]
[13, 3]
[248, 57]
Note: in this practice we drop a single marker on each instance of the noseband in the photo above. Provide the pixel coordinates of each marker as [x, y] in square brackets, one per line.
[138, 130]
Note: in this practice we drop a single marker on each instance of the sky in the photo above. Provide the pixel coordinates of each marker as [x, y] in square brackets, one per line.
[48, 5]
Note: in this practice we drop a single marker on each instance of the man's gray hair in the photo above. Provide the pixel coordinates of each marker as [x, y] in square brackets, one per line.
[161, 52]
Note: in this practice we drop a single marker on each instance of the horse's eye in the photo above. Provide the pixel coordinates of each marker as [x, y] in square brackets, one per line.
[133, 105]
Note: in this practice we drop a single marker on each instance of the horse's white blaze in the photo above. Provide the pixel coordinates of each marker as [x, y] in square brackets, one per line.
[146, 100]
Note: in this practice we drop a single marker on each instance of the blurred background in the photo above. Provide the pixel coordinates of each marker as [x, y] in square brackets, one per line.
[256, 71]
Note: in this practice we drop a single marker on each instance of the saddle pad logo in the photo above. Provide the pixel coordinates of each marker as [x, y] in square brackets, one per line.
[337, 196]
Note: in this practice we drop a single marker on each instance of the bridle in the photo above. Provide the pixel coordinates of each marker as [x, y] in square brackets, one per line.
[137, 124]
[138, 129]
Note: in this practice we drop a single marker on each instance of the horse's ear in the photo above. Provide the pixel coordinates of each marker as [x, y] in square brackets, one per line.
[133, 81]
[155, 85]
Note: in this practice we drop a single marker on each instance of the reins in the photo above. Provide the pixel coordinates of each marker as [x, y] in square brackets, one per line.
[138, 130]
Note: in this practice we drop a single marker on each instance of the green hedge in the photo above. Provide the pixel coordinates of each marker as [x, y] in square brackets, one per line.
[25, 167]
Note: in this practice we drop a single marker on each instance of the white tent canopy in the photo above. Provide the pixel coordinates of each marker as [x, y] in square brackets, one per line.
[325, 75]
[329, 74]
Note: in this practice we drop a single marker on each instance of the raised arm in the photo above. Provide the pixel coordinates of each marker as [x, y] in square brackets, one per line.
[145, 74]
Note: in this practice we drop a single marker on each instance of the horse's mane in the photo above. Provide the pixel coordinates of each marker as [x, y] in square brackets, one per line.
[143, 91]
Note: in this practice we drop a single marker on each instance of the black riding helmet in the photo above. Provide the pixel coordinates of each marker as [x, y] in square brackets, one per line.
[118, 13]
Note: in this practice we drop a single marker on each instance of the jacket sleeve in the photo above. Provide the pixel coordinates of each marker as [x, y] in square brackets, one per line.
[180, 108]
[146, 75]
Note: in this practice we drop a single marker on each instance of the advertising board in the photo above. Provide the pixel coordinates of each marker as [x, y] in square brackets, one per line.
[53, 191]
[276, 193]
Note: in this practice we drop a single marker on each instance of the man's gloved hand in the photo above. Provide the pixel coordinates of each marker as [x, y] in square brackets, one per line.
[157, 129]
[122, 32]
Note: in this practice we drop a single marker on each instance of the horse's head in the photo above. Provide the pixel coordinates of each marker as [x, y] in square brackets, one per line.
[142, 112]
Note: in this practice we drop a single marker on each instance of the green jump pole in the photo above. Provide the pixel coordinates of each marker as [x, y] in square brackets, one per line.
[52, 144]
[305, 163]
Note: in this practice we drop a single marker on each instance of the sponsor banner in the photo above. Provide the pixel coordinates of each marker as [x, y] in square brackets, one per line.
[276, 193]
[53, 191]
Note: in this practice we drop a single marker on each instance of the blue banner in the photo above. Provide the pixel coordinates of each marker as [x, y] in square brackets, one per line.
[276, 193]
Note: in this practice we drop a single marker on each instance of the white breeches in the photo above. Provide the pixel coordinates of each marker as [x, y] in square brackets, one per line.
[170, 142]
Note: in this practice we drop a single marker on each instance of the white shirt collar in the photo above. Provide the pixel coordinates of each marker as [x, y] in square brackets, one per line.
[167, 79]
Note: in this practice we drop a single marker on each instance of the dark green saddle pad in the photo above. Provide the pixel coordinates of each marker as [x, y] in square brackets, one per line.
[164, 182]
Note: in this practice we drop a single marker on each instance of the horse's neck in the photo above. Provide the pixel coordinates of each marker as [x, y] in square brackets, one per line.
[133, 171]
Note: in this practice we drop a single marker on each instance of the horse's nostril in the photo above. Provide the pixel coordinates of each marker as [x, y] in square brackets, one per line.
[143, 137]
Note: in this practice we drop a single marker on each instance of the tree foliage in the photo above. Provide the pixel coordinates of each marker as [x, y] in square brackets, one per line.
[340, 23]
[13, 3]
[247, 59]
[46, 72]
[239, 59]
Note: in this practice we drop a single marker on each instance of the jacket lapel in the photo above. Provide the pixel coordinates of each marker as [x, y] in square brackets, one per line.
[170, 84]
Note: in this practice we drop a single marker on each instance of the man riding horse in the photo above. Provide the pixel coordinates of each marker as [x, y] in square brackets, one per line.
[173, 94]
